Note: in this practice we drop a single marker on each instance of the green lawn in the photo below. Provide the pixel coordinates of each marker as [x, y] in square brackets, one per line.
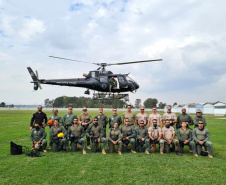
[95, 168]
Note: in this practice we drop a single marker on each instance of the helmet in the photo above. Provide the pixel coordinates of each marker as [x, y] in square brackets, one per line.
[91, 133]
[87, 121]
[37, 146]
[50, 122]
[129, 133]
[198, 111]
[71, 136]
[60, 134]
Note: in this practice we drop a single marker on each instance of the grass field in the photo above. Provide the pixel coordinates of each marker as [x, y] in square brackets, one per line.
[95, 168]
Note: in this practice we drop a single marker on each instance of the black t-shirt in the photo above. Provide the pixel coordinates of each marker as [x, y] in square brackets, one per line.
[38, 118]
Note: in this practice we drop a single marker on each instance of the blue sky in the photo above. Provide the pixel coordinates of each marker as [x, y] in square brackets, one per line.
[188, 35]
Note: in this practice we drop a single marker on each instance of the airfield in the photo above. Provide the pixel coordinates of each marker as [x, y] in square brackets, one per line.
[75, 168]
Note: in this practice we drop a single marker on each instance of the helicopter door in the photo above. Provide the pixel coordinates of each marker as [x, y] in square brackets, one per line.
[122, 82]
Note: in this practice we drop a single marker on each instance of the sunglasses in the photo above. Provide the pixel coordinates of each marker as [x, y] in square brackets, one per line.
[154, 122]
[141, 109]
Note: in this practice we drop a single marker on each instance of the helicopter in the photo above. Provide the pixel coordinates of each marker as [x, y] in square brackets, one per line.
[97, 80]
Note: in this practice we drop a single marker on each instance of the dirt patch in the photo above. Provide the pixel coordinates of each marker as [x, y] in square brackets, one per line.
[83, 171]
[22, 139]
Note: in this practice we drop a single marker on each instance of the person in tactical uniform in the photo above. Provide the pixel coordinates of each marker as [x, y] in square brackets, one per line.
[169, 137]
[129, 135]
[39, 117]
[142, 137]
[57, 137]
[113, 84]
[96, 132]
[130, 115]
[115, 118]
[68, 118]
[85, 119]
[155, 135]
[198, 118]
[102, 120]
[76, 133]
[142, 116]
[114, 138]
[201, 137]
[53, 117]
[153, 116]
[184, 117]
[184, 136]
[38, 137]
[170, 116]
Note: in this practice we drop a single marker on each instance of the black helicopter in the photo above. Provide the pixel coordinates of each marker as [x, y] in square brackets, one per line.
[97, 80]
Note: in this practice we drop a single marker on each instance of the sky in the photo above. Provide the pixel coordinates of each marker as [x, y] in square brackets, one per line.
[190, 37]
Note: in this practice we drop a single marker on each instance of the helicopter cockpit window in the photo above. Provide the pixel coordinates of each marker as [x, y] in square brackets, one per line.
[93, 74]
[103, 79]
[121, 79]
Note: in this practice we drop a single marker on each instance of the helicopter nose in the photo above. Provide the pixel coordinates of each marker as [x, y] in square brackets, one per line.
[136, 86]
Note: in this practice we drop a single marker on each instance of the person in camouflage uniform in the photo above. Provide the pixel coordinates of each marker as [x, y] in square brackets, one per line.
[58, 143]
[198, 118]
[113, 84]
[130, 115]
[115, 138]
[184, 117]
[115, 118]
[76, 133]
[97, 135]
[38, 137]
[102, 120]
[142, 137]
[201, 137]
[129, 135]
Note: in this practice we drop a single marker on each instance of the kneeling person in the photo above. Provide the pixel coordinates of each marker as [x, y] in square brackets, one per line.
[184, 136]
[57, 137]
[96, 132]
[155, 135]
[201, 137]
[38, 136]
[142, 137]
[129, 135]
[169, 137]
[115, 138]
[76, 133]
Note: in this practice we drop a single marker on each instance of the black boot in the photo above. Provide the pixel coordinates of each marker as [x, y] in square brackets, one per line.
[178, 153]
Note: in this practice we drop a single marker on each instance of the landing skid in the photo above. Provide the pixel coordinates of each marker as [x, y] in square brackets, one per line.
[108, 96]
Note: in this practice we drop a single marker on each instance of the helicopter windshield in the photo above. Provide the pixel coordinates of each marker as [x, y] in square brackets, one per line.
[129, 79]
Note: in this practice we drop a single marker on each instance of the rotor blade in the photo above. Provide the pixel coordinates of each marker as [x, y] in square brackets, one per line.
[134, 62]
[72, 60]
[36, 73]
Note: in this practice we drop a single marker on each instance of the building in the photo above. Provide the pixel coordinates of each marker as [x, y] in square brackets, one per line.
[208, 108]
[220, 108]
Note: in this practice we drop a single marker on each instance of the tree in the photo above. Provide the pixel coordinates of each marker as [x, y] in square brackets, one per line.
[137, 103]
[174, 104]
[59, 102]
[150, 102]
[2, 104]
[162, 105]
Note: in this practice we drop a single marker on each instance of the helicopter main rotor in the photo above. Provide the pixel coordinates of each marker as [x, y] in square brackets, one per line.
[104, 65]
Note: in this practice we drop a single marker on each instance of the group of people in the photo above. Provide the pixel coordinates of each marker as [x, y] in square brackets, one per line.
[131, 132]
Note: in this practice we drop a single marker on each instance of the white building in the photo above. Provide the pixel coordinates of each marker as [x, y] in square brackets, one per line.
[208, 108]
[220, 108]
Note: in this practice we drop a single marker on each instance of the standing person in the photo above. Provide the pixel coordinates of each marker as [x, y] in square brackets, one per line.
[184, 136]
[155, 135]
[169, 137]
[38, 137]
[184, 117]
[155, 116]
[76, 133]
[129, 135]
[170, 116]
[57, 137]
[115, 118]
[95, 132]
[102, 120]
[115, 138]
[130, 115]
[142, 116]
[201, 136]
[142, 137]
[198, 118]
[56, 116]
[68, 118]
[39, 117]
[85, 119]
[113, 84]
